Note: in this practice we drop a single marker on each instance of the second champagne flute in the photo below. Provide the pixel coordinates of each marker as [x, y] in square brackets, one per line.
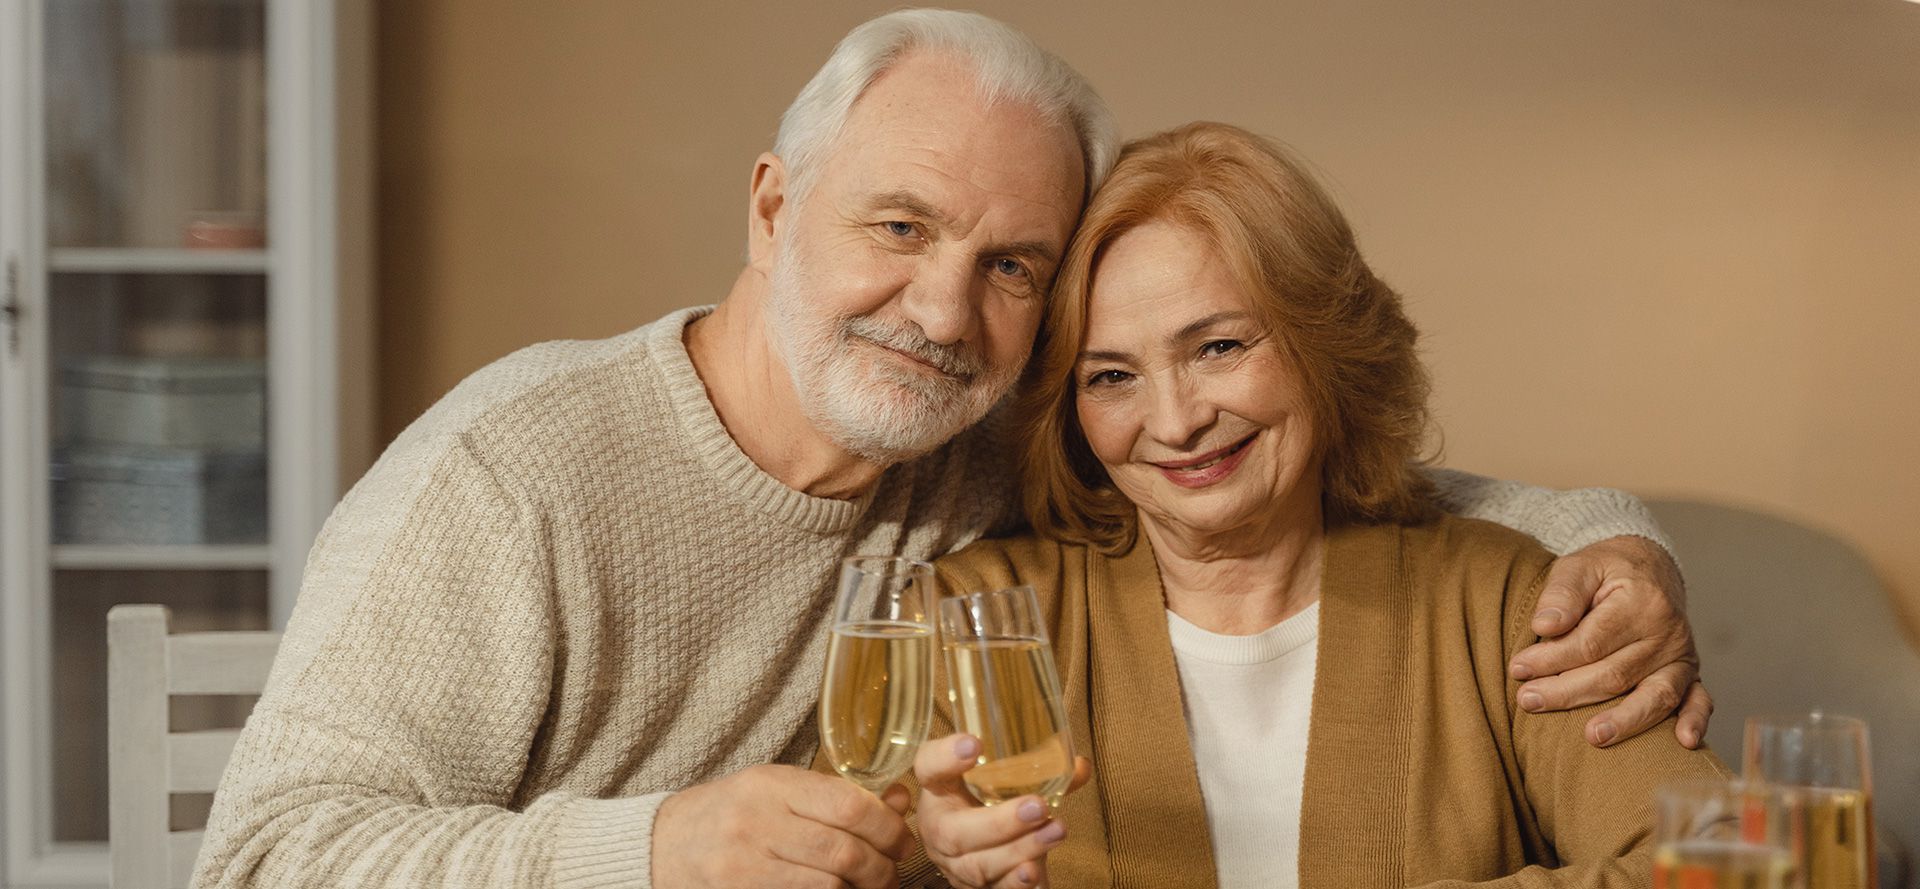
[1822, 760]
[876, 695]
[1005, 691]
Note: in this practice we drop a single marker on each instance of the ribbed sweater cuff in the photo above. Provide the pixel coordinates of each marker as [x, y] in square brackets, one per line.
[1578, 519]
[604, 843]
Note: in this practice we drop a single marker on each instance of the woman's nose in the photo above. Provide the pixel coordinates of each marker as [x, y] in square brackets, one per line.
[1177, 411]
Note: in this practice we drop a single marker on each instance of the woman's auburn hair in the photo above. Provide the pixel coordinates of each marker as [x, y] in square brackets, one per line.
[1290, 248]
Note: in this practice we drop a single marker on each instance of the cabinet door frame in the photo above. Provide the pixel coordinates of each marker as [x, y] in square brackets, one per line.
[32, 859]
[318, 387]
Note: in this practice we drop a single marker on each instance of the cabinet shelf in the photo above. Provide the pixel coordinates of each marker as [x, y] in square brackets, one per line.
[160, 558]
[158, 260]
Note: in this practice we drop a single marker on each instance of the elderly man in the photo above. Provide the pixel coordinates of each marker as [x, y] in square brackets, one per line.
[568, 631]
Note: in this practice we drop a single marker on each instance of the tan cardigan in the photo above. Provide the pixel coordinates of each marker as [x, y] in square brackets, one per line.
[1421, 770]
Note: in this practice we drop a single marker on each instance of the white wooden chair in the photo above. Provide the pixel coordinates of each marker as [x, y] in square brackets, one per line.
[147, 763]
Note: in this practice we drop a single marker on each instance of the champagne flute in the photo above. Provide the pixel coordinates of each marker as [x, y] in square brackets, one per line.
[1005, 691]
[876, 694]
[1715, 834]
[1821, 760]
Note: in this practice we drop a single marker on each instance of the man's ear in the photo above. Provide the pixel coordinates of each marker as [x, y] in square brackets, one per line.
[766, 203]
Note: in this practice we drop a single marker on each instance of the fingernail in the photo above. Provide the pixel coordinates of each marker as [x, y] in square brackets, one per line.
[1530, 701]
[966, 748]
[1521, 672]
[1032, 810]
[1025, 874]
[1604, 732]
[1052, 833]
[1551, 615]
[1690, 738]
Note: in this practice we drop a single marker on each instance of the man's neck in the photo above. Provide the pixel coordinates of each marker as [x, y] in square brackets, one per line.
[753, 394]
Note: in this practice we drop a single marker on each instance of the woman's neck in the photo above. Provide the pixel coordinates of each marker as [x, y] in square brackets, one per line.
[1240, 583]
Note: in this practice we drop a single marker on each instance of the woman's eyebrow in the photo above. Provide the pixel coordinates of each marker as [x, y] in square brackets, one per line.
[1189, 331]
[1103, 355]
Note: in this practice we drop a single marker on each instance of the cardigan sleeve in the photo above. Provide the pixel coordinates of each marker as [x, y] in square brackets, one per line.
[1593, 807]
[403, 704]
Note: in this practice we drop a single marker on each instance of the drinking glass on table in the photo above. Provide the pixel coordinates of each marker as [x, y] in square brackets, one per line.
[1005, 691]
[1715, 834]
[1821, 762]
[876, 694]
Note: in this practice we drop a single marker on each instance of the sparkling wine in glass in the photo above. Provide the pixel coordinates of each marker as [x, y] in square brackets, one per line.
[876, 695]
[1821, 760]
[1715, 834]
[1005, 691]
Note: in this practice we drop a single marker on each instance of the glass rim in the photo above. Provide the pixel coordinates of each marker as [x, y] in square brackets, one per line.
[860, 562]
[969, 603]
[1819, 720]
[964, 611]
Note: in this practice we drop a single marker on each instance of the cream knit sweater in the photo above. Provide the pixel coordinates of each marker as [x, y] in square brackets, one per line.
[564, 593]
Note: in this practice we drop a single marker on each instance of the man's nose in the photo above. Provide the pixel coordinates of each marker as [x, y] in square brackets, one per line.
[943, 299]
[1177, 410]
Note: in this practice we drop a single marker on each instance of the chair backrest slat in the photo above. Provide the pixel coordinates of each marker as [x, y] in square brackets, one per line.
[220, 663]
[146, 762]
[196, 759]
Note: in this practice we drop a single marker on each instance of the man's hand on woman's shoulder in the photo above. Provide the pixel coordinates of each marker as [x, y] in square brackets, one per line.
[1612, 621]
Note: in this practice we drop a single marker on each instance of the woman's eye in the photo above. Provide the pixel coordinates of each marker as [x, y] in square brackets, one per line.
[1219, 347]
[1106, 377]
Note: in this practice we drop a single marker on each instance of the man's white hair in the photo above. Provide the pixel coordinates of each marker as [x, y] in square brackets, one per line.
[1008, 66]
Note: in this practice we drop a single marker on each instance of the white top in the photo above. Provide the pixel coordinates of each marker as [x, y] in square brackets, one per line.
[1249, 700]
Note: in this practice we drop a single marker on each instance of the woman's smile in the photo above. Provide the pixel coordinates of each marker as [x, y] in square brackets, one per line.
[1208, 468]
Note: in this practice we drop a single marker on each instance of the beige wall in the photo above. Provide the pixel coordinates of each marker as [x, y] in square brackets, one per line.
[1665, 246]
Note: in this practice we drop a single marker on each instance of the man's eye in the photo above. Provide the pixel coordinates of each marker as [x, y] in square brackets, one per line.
[1219, 347]
[898, 229]
[1010, 268]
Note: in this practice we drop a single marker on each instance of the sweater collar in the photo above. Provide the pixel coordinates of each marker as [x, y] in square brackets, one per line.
[729, 466]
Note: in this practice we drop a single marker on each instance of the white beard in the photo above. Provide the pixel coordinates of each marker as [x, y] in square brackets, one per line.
[856, 395]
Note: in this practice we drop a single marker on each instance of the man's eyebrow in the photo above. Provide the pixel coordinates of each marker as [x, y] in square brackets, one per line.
[912, 204]
[1038, 251]
[908, 202]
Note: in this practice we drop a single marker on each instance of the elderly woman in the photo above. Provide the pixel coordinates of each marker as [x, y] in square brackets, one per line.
[1287, 666]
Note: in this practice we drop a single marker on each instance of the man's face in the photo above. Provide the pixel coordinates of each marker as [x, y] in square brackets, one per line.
[907, 283]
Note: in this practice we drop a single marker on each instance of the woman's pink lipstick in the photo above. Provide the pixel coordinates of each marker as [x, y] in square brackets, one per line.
[1207, 468]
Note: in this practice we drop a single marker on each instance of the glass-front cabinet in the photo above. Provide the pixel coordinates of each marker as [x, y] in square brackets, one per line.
[178, 377]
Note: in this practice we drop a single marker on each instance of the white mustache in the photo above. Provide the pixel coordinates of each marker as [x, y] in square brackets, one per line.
[952, 360]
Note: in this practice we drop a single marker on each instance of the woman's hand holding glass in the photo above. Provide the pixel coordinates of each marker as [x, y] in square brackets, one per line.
[1002, 845]
[1014, 755]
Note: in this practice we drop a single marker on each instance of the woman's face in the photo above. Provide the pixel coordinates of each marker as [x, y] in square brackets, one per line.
[1186, 398]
